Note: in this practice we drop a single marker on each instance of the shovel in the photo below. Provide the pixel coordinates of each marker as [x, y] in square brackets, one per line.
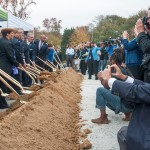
[12, 89]
[46, 64]
[59, 64]
[59, 60]
[37, 66]
[14, 82]
[34, 69]
[52, 64]
[29, 74]
[32, 73]
[3, 94]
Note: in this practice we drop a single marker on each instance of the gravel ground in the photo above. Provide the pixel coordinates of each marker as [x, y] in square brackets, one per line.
[103, 137]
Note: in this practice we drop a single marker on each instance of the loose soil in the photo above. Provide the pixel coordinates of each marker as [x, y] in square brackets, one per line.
[49, 120]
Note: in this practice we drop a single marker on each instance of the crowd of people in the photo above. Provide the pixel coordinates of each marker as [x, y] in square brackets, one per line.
[122, 66]
[126, 80]
[18, 51]
[130, 87]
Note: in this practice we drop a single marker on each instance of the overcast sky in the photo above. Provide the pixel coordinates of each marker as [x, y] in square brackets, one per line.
[81, 12]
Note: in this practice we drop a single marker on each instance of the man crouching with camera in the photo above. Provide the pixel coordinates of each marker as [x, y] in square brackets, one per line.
[137, 135]
[142, 30]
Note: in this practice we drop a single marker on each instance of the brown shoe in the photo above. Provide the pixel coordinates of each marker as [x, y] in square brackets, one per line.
[101, 120]
[127, 116]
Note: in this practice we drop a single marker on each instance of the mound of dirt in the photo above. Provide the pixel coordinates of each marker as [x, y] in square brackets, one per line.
[49, 120]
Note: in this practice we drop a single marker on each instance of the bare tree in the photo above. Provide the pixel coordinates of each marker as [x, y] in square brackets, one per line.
[17, 7]
[52, 25]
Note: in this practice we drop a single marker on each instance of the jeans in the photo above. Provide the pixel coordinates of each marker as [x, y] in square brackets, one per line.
[105, 98]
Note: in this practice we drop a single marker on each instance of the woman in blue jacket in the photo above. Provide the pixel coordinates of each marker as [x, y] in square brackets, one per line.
[93, 60]
[133, 55]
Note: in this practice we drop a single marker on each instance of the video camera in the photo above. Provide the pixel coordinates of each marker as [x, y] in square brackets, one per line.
[145, 22]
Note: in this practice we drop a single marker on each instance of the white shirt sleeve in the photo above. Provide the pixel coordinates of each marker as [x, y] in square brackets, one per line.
[67, 51]
[129, 80]
[112, 80]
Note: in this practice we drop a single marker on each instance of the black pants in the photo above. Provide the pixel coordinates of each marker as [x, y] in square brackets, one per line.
[90, 67]
[3, 103]
[69, 61]
[83, 67]
[95, 65]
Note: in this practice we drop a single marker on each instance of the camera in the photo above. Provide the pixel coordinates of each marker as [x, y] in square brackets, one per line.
[145, 22]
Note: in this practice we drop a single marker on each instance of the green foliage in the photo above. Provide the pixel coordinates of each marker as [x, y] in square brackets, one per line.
[113, 25]
[66, 39]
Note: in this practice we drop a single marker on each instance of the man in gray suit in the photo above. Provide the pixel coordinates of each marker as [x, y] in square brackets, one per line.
[137, 135]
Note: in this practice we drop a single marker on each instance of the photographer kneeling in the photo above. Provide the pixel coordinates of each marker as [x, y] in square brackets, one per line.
[104, 97]
[142, 30]
[137, 135]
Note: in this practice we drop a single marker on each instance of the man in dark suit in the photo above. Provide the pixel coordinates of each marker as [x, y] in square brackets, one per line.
[42, 49]
[137, 135]
[7, 59]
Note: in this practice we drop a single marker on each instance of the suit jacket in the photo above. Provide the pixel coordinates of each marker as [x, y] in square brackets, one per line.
[43, 51]
[32, 51]
[19, 52]
[26, 55]
[7, 59]
[138, 135]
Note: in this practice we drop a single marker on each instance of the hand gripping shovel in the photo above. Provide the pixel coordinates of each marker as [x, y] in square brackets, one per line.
[30, 75]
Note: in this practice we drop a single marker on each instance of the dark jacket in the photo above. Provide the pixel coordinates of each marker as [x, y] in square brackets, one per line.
[138, 134]
[43, 51]
[83, 52]
[17, 46]
[7, 59]
[144, 42]
[32, 51]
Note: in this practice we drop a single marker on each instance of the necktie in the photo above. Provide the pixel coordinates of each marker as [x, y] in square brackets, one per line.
[40, 45]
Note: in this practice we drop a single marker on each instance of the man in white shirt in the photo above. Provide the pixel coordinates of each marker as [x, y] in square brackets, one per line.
[69, 56]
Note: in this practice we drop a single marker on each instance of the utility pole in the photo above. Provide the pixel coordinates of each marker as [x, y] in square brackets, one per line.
[91, 29]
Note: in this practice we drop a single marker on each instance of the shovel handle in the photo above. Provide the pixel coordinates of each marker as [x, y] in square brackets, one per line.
[59, 63]
[27, 73]
[59, 59]
[5, 74]
[11, 88]
[51, 63]
[40, 67]
[45, 63]
[33, 70]
[11, 79]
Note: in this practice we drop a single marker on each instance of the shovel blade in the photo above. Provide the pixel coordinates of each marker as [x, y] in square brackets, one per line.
[4, 94]
[26, 92]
